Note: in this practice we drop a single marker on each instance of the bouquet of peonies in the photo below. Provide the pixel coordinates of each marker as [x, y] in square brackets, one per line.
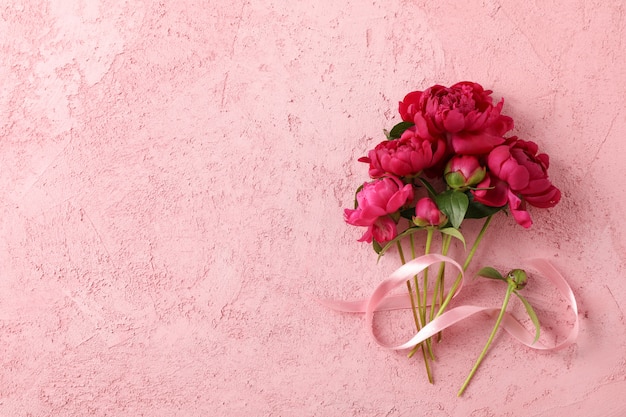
[448, 160]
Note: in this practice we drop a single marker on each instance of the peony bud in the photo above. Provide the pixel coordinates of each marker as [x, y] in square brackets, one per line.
[427, 214]
[464, 171]
[519, 277]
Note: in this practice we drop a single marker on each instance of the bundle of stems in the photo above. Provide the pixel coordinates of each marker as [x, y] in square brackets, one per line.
[425, 308]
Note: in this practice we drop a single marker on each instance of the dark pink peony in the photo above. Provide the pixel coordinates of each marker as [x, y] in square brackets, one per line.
[517, 206]
[410, 105]
[382, 231]
[464, 112]
[491, 191]
[494, 192]
[526, 172]
[519, 176]
[375, 201]
[427, 214]
[405, 157]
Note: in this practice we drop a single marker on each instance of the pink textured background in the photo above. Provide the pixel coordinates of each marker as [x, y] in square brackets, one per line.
[172, 182]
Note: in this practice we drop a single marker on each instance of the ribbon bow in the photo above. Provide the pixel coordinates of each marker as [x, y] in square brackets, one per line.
[380, 300]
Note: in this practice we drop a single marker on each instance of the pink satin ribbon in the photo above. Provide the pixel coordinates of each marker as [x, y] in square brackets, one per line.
[381, 300]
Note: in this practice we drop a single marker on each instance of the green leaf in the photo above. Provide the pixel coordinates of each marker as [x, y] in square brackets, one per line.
[531, 314]
[408, 213]
[399, 129]
[356, 203]
[431, 190]
[393, 241]
[377, 247]
[489, 272]
[454, 204]
[476, 210]
[451, 231]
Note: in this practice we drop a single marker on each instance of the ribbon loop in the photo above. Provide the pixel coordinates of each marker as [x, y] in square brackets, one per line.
[381, 300]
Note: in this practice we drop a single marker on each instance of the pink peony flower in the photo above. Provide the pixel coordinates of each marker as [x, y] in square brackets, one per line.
[405, 157]
[464, 112]
[492, 191]
[383, 230]
[519, 175]
[464, 171]
[518, 210]
[427, 214]
[375, 201]
[526, 172]
[409, 106]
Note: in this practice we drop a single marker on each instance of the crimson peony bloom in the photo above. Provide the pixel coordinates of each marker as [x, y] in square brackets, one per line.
[410, 106]
[491, 192]
[383, 230]
[405, 157]
[526, 172]
[375, 201]
[519, 176]
[464, 112]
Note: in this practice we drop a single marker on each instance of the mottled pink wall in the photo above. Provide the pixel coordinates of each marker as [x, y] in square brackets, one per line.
[172, 178]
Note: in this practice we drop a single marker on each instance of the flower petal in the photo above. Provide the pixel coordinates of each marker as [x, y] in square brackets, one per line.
[454, 121]
[475, 143]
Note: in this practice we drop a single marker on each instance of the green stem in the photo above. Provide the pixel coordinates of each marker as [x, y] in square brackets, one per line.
[456, 284]
[427, 364]
[400, 252]
[412, 246]
[505, 303]
[429, 241]
[438, 291]
[408, 285]
[417, 285]
[415, 317]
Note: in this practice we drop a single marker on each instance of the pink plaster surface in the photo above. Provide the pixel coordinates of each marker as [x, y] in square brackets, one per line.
[173, 176]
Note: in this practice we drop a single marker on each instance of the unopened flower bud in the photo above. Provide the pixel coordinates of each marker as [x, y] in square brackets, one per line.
[427, 214]
[464, 171]
[519, 277]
